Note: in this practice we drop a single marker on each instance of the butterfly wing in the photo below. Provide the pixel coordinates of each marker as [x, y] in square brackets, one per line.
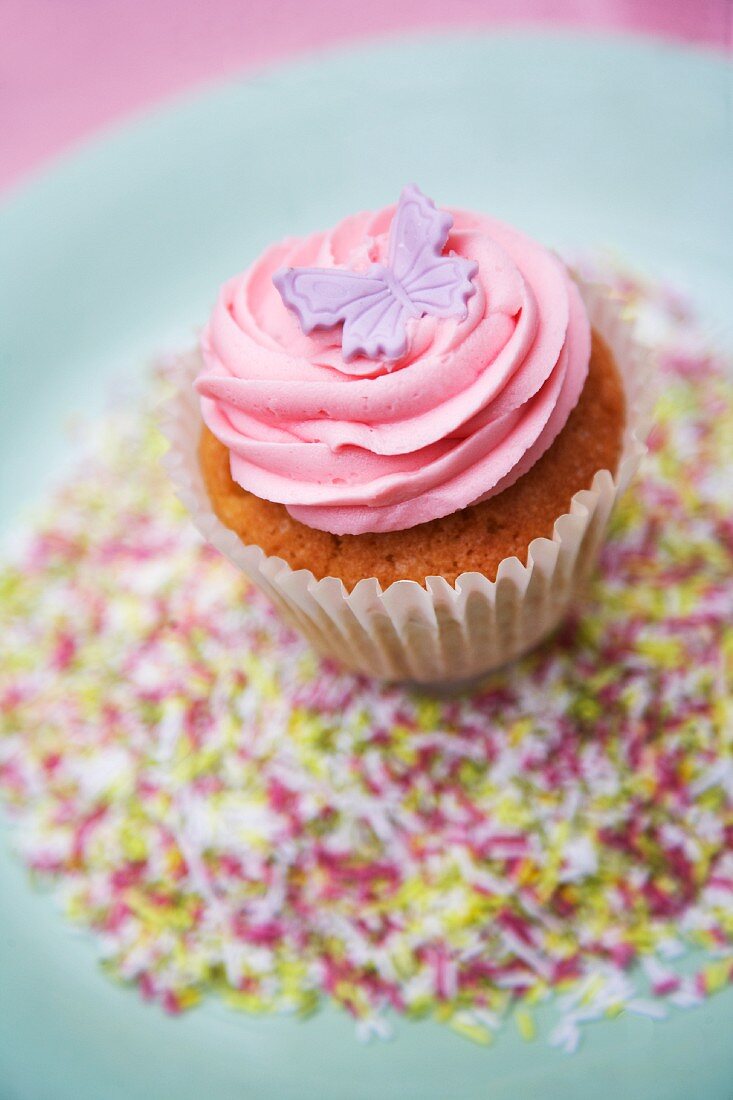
[442, 286]
[435, 284]
[418, 233]
[373, 319]
[376, 328]
[322, 297]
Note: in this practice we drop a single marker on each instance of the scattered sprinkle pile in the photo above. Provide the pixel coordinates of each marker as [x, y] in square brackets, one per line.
[230, 815]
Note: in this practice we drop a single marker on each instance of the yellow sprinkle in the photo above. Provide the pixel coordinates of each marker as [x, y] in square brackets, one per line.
[520, 729]
[133, 844]
[429, 714]
[189, 997]
[595, 985]
[419, 1008]
[470, 1030]
[174, 862]
[717, 974]
[666, 652]
[244, 1002]
[525, 1024]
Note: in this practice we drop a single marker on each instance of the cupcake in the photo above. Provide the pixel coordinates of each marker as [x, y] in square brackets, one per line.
[410, 432]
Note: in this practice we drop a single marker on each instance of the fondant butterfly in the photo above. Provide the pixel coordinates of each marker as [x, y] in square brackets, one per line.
[374, 305]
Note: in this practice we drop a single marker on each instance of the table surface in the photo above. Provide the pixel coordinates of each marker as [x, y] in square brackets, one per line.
[68, 67]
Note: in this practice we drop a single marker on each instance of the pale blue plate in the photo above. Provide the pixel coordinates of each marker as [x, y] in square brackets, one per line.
[118, 251]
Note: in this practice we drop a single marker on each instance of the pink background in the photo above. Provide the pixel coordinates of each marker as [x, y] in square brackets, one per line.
[68, 67]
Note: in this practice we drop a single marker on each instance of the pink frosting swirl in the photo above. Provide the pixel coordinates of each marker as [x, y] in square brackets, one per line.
[375, 446]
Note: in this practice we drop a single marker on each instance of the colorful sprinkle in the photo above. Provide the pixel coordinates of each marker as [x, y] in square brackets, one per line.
[229, 815]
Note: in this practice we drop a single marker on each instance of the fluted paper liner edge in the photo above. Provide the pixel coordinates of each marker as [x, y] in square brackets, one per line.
[438, 634]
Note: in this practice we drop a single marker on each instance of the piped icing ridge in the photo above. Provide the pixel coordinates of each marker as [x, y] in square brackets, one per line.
[375, 445]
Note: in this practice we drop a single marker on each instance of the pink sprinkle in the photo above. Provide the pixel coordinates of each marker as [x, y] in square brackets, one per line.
[64, 653]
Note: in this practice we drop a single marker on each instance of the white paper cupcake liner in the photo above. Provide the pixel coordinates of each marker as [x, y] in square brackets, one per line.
[438, 635]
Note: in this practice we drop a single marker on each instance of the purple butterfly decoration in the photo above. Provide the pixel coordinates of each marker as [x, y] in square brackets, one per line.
[374, 305]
